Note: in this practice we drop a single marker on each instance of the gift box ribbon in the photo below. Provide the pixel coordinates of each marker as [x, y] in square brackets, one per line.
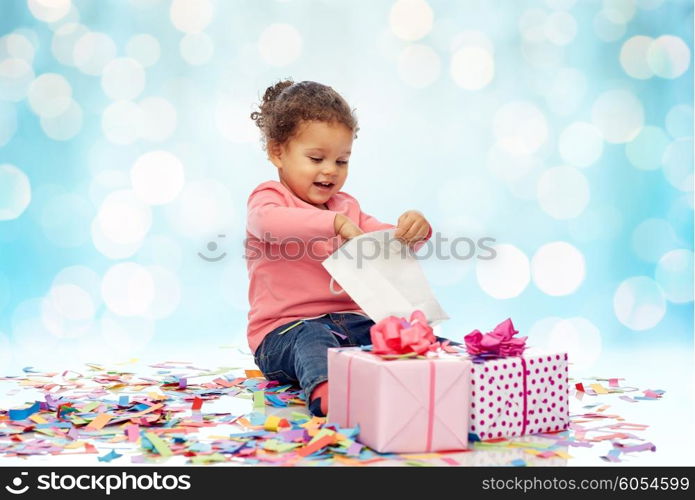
[525, 408]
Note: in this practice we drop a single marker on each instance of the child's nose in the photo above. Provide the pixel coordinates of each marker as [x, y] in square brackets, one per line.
[328, 167]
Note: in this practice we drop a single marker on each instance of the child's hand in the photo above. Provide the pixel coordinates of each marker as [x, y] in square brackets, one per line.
[412, 227]
[346, 228]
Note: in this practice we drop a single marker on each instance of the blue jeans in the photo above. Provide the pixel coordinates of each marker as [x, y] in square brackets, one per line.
[298, 355]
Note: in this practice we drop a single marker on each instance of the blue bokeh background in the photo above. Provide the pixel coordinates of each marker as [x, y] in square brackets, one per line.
[562, 129]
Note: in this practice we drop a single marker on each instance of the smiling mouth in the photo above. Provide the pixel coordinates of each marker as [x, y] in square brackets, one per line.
[324, 185]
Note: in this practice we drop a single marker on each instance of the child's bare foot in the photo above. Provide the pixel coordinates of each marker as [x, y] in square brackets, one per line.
[318, 404]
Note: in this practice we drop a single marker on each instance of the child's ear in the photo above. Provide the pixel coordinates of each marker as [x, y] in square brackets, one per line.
[275, 153]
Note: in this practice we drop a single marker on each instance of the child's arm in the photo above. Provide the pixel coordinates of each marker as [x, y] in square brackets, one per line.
[269, 220]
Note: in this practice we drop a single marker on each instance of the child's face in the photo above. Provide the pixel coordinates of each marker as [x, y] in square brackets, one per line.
[318, 153]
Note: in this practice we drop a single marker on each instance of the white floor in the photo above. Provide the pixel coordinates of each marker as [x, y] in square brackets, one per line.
[671, 419]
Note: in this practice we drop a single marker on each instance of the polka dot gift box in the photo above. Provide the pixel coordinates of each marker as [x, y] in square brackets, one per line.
[514, 390]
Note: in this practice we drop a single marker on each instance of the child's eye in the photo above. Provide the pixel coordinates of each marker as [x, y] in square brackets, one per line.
[319, 160]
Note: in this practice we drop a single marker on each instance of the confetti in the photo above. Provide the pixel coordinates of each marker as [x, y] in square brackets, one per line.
[99, 422]
[176, 411]
[110, 456]
[24, 412]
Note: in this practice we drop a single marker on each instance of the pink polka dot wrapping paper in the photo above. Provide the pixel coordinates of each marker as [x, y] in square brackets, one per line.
[502, 396]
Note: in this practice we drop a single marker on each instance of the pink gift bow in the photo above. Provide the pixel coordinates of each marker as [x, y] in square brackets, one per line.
[394, 335]
[500, 341]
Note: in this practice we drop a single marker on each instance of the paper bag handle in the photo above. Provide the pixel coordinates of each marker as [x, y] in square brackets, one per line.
[333, 291]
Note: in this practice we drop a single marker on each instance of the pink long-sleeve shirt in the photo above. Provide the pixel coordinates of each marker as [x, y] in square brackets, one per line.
[286, 241]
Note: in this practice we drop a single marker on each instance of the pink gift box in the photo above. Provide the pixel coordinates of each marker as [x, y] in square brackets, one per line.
[506, 403]
[401, 406]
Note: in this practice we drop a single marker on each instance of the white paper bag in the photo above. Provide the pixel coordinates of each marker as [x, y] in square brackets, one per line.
[382, 278]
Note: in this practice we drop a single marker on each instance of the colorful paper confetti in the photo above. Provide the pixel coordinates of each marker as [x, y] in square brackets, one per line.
[160, 416]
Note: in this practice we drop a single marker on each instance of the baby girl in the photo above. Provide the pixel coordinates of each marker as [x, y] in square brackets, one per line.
[295, 223]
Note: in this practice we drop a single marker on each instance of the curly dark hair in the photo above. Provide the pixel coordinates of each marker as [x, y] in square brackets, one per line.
[287, 104]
